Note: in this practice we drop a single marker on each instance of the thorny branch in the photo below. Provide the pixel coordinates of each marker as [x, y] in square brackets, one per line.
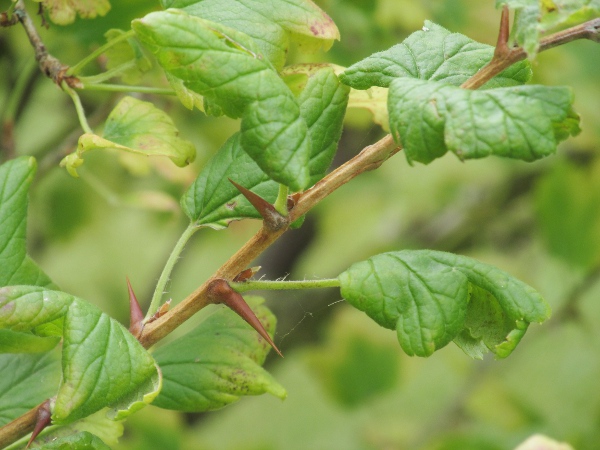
[369, 158]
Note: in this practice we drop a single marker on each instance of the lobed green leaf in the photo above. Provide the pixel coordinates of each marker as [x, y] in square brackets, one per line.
[522, 122]
[272, 25]
[137, 127]
[213, 201]
[217, 363]
[101, 361]
[431, 298]
[83, 440]
[435, 54]
[64, 12]
[227, 68]
[323, 103]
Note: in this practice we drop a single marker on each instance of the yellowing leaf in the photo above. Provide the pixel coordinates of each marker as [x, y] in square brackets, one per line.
[63, 12]
[138, 127]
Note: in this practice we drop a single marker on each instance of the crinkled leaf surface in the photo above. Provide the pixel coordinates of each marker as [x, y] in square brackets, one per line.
[127, 51]
[323, 103]
[431, 297]
[373, 99]
[101, 361]
[521, 122]
[432, 53]
[26, 381]
[271, 24]
[217, 363]
[16, 268]
[138, 127]
[213, 201]
[226, 67]
[64, 12]
[533, 18]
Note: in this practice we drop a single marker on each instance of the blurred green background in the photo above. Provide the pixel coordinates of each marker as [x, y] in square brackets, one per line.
[350, 386]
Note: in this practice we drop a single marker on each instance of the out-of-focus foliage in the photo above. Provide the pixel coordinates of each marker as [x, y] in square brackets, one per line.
[348, 384]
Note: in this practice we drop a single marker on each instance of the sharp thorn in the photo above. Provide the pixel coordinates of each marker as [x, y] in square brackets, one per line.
[43, 420]
[136, 316]
[502, 44]
[246, 274]
[221, 292]
[271, 216]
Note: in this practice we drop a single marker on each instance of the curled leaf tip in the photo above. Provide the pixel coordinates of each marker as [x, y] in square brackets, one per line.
[43, 420]
[221, 292]
[272, 219]
[136, 316]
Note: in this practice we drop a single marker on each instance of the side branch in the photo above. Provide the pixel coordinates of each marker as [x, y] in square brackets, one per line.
[49, 65]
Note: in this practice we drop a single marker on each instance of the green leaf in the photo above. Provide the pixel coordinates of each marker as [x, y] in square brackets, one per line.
[138, 127]
[20, 342]
[217, 363]
[16, 268]
[373, 99]
[102, 362]
[124, 52]
[435, 54]
[567, 201]
[27, 380]
[272, 25]
[431, 297]
[64, 12]
[80, 441]
[522, 122]
[323, 103]
[196, 51]
[213, 201]
[534, 18]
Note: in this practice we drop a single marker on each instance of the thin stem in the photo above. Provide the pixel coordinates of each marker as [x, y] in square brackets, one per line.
[79, 108]
[95, 79]
[166, 273]
[266, 285]
[281, 201]
[92, 56]
[18, 89]
[126, 88]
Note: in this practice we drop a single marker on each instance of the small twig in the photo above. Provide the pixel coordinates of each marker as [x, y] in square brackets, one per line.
[49, 65]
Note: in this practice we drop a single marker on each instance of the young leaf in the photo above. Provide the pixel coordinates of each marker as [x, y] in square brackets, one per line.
[213, 201]
[197, 51]
[533, 18]
[323, 105]
[271, 25]
[138, 127]
[83, 440]
[217, 363]
[16, 268]
[124, 52]
[102, 362]
[64, 12]
[430, 298]
[432, 53]
[27, 380]
[522, 122]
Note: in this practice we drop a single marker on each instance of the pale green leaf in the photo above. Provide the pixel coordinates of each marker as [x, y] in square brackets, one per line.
[535, 18]
[83, 440]
[522, 122]
[430, 298]
[27, 380]
[213, 201]
[187, 97]
[226, 67]
[124, 52]
[432, 53]
[17, 268]
[217, 363]
[64, 12]
[139, 127]
[273, 25]
[25, 342]
[102, 363]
